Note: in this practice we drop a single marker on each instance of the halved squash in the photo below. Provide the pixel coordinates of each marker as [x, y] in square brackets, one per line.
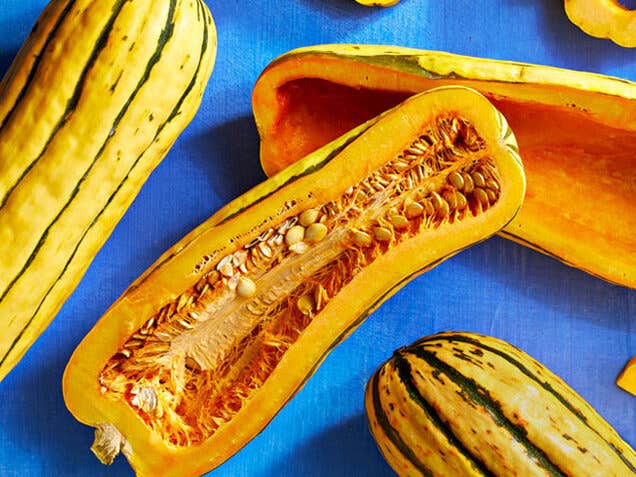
[576, 133]
[604, 19]
[205, 348]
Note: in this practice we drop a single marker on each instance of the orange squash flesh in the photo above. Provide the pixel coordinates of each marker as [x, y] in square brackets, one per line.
[576, 132]
[183, 370]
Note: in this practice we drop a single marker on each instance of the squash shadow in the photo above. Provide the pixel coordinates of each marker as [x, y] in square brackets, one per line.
[37, 405]
[543, 279]
[343, 450]
[231, 163]
[6, 58]
[342, 8]
[568, 42]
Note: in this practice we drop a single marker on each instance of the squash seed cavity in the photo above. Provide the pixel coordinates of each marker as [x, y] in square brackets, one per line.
[194, 363]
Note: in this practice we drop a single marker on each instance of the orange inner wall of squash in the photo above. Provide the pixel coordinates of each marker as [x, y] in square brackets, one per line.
[568, 156]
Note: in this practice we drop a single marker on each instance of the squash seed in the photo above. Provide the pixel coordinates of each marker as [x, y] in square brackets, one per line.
[361, 239]
[315, 232]
[444, 209]
[382, 234]
[294, 235]
[469, 184]
[451, 198]
[492, 195]
[461, 201]
[413, 209]
[308, 217]
[492, 185]
[478, 179]
[456, 180]
[245, 287]
[481, 196]
[398, 221]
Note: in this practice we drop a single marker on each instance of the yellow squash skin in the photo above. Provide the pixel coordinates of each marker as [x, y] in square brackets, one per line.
[94, 100]
[576, 133]
[460, 404]
[377, 3]
[604, 19]
[324, 176]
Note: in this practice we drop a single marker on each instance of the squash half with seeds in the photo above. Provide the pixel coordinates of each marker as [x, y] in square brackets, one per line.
[460, 404]
[202, 351]
[94, 100]
[576, 133]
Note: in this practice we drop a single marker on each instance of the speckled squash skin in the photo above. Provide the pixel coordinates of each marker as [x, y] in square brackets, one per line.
[94, 100]
[459, 404]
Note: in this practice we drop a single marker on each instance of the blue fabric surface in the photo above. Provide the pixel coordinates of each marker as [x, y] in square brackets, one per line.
[579, 326]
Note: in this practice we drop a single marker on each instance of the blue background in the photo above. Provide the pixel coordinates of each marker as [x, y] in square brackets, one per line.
[579, 326]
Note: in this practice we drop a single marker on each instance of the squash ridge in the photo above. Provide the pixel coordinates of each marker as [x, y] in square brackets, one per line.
[175, 112]
[482, 397]
[451, 337]
[36, 63]
[405, 375]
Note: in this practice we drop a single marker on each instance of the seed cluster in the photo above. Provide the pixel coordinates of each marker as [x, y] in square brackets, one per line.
[192, 366]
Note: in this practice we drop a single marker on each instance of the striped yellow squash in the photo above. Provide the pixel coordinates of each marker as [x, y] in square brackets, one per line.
[95, 98]
[460, 404]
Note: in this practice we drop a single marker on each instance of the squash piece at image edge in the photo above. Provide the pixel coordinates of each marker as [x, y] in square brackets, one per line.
[576, 134]
[93, 101]
[627, 379]
[459, 404]
[202, 351]
[604, 19]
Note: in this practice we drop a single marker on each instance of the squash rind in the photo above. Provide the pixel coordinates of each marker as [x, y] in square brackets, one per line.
[508, 402]
[326, 177]
[602, 104]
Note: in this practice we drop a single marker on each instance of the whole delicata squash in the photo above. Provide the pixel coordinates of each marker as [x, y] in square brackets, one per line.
[604, 19]
[94, 100]
[460, 404]
[202, 351]
[576, 133]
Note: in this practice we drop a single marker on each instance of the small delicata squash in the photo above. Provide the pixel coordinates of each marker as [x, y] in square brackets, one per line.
[576, 133]
[202, 351]
[604, 19]
[94, 100]
[460, 404]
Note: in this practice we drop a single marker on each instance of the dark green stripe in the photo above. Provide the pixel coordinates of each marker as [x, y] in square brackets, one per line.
[391, 432]
[110, 199]
[38, 60]
[545, 385]
[479, 395]
[163, 39]
[406, 377]
[74, 99]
